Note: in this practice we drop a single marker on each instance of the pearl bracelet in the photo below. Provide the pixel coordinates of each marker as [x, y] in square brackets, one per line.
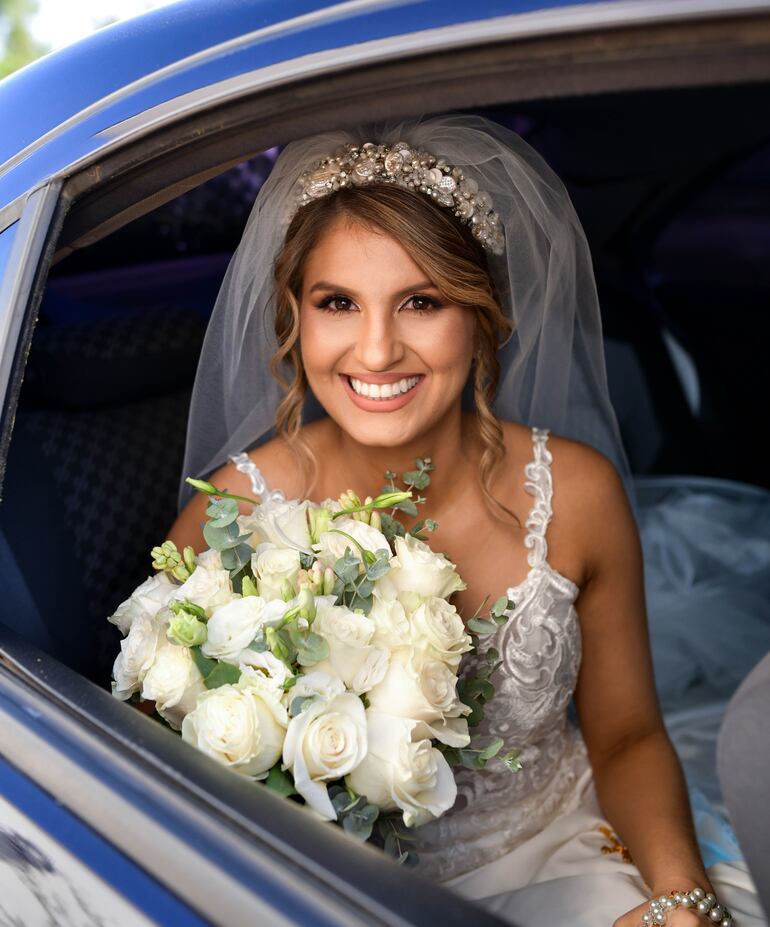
[705, 903]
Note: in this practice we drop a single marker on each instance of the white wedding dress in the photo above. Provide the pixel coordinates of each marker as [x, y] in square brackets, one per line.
[528, 845]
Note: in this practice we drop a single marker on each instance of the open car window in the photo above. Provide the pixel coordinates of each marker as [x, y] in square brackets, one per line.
[104, 319]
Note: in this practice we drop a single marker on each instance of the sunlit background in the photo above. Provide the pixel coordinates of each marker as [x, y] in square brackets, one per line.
[31, 28]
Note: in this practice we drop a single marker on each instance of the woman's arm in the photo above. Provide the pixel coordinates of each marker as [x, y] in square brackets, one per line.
[639, 780]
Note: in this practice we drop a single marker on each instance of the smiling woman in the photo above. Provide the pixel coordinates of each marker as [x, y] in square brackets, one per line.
[381, 278]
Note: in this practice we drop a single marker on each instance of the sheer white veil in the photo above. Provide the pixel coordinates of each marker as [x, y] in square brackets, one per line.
[552, 367]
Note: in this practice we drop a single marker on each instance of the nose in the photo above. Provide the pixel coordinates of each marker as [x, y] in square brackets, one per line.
[379, 343]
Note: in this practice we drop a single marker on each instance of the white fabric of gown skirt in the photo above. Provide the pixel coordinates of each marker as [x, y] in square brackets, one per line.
[560, 877]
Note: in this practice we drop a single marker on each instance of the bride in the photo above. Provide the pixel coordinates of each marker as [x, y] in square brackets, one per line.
[431, 295]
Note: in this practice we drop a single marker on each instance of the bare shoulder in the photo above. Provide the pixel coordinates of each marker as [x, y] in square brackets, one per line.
[598, 510]
[277, 463]
[589, 502]
[279, 468]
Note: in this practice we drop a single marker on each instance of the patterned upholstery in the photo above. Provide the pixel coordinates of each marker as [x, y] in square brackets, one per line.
[94, 464]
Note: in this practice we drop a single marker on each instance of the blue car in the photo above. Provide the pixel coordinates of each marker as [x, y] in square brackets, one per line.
[128, 165]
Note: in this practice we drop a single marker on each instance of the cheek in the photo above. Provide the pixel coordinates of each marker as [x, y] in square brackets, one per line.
[449, 343]
[315, 343]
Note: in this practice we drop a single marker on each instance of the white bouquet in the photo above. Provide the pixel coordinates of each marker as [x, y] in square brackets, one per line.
[314, 648]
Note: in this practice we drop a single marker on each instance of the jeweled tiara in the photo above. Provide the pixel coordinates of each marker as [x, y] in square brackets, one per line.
[355, 165]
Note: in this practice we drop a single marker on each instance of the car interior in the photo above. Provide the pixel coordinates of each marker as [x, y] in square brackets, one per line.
[673, 189]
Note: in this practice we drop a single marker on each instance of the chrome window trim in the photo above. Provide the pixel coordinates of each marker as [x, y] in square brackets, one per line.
[146, 838]
[548, 22]
[12, 211]
[18, 274]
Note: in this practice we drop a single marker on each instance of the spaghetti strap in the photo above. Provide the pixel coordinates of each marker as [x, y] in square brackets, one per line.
[539, 484]
[244, 464]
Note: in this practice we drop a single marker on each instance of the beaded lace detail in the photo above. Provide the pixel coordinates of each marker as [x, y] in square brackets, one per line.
[244, 464]
[540, 650]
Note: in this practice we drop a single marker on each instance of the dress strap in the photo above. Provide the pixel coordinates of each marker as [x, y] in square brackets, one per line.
[540, 485]
[244, 464]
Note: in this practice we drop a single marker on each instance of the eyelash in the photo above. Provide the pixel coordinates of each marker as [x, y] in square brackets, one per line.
[324, 304]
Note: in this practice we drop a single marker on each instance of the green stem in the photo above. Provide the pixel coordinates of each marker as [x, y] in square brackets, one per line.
[363, 550]
[228, 495]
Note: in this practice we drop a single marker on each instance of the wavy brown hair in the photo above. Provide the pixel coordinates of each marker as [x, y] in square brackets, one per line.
[451, 258]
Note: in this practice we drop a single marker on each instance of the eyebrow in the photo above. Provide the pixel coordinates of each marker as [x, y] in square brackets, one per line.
[324, 285]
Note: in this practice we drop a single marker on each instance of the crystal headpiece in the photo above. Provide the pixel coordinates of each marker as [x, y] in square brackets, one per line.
[354, 165]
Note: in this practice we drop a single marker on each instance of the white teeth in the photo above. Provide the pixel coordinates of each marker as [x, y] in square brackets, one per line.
[385, 390]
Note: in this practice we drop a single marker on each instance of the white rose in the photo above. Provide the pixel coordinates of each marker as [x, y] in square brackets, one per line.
[331, 545]
[324, 742]
[173, 682]
[423, 690]
[438, 628]
[149, 598]
[417, 570]
[137, 652]
[209, 559]
[319, 683]
[284, 524]
[263, 665]
[352, 656]
[242, 725]
[234, 626]
[400, 773]
[209, 587]
[392, 628]
[272, 565]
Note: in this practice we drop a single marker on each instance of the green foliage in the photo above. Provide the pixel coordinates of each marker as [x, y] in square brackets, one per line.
[19, 47]
[215, 673]
[391, 836]
[222, 512]
[280, 781]
[355, 814]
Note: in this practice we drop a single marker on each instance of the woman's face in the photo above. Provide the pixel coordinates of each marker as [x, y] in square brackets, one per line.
[369, 313]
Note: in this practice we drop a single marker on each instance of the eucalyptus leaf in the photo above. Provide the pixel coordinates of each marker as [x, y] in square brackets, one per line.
[222, 674]
[299, 703]
[365, 588]
[417, 478]
[492, 748]
[380, 567]
[236, 558]
[204, 663]
[313, 649]
[306, 560]
[347, 566]
[360, 822]
[500, 605]
[471, 759]
[477, 713]
[280, 781]
[407, 506]
[479, 687]
[222, 512]
[223, 538]
[481, 626]
[357, 602]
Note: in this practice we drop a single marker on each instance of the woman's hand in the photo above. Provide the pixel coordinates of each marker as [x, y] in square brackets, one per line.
[680, 917]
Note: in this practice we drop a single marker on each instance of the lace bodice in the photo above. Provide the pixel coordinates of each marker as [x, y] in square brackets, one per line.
[540, 650]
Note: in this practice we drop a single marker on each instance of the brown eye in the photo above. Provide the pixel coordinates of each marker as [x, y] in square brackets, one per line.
[423, 304]
[326, 304]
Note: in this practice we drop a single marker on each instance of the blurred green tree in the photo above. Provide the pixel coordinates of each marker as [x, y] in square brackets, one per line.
[17, 45]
